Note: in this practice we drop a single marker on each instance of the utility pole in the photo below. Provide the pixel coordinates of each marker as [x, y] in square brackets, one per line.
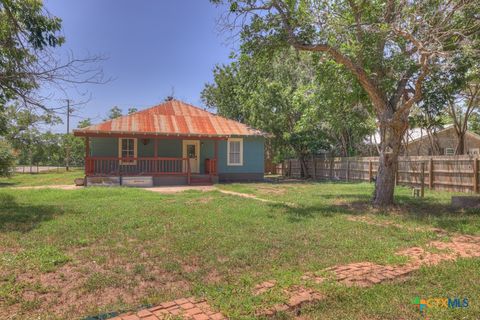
[67, 156]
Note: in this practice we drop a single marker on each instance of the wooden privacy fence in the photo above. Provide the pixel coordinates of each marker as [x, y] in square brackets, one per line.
[451, 173]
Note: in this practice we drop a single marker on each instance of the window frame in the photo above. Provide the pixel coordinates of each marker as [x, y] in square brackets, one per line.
[474, 151]
[135, 152]
[229, 163]
[449, 153]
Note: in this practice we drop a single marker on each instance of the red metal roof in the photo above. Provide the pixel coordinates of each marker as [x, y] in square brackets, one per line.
[172, 118]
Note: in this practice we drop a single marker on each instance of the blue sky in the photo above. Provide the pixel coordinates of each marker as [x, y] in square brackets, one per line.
[152, 46]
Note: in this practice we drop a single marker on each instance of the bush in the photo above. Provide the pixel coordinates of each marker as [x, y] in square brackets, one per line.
[7, 159]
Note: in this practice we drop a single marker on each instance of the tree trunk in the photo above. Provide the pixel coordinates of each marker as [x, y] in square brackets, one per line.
[304, 167]
[392, 132]
[385, 183]
[460, 149]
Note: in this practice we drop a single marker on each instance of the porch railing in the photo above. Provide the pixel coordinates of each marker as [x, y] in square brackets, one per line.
[114, 166]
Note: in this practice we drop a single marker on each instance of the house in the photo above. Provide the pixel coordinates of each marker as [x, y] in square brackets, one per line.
[173, 143]
[418, 142]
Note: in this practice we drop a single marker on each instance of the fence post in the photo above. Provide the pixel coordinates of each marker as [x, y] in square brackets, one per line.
[331, 167]
[370, 171]
[475, 175]
[430, 174]
[397, 177]
[314, 163]
[422, 179]
[347, 173]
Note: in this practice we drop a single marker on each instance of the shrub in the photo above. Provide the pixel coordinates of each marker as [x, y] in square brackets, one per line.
[7, 159]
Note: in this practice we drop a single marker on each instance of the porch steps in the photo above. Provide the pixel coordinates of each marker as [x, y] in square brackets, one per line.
[200, 180]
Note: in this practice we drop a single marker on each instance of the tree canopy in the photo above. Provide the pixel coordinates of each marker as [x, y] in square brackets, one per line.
[306, 109]
[389, 46]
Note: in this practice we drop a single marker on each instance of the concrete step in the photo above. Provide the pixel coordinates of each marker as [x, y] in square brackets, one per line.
[195, 181]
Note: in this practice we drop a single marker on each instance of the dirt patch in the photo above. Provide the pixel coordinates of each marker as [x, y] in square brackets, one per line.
[76, 289]
[462, 246]
[213, 277]
[272, 190]
[312, 277]
[263, 287]
[202, 200]
[380, 223]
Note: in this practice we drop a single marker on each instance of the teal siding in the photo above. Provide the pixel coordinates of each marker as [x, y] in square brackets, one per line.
[170, 148]
[253, 156]
[207, 151]
[145, 150]
[108, 147]
[253, 152]
[104, 147]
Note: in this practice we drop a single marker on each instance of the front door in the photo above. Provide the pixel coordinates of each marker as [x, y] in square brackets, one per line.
[191, 150]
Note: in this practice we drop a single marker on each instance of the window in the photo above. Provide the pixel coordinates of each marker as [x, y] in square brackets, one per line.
[127, 149]
[474, 151]
[449, 151]
[235, 152]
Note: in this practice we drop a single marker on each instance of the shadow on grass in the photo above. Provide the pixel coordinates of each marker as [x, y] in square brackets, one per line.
[427, 211]
[8, 184]
[21, 217]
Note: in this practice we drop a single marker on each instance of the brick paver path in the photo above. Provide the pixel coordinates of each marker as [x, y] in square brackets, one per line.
[363, 274]
[366, 274]
[185, 308]
[297, 297]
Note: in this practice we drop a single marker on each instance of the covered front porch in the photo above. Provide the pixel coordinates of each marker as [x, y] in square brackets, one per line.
[166, 160]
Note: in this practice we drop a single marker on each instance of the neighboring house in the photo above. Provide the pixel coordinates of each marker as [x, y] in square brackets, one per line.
[173, 143]
[417, 142]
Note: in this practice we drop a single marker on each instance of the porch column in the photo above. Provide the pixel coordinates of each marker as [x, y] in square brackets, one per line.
[155, 154]
[216, 156]
[87, 155]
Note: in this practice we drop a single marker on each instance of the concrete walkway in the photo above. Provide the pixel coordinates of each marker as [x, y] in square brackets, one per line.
[169, 190]
[54, 186]
[245, 195]
[176, 189]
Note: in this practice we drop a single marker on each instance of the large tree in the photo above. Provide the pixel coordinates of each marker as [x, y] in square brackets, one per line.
[389, 46]
[29, 37]
[274, 93]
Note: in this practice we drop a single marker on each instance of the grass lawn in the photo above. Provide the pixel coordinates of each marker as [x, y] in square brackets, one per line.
[73, 253]
[42, 178]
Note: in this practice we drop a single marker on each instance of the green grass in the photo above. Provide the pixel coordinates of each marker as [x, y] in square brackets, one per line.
[103, 249]
[42, 178]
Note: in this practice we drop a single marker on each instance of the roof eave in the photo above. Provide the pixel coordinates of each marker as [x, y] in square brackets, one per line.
[82, 133]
